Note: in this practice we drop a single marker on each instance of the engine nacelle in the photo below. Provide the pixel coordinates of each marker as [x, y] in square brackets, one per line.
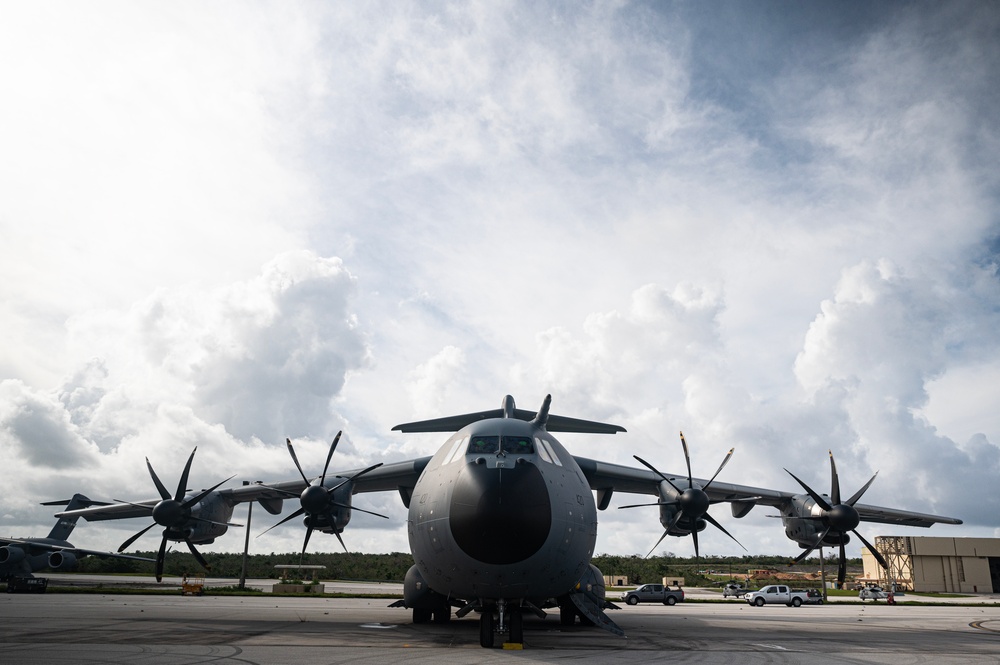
[685, 525]
[805, 532]
[62, 561]
[10, 554]
[214, 508]
[336, 517]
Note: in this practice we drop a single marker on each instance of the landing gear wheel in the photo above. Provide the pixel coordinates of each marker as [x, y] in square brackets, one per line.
[516, 627]
[567, 614]
[421, 615]
[442, 615]
[487, 636]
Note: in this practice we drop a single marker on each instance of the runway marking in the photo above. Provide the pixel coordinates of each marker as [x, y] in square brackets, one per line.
[379, 626]
[771, 646]
[980, 626]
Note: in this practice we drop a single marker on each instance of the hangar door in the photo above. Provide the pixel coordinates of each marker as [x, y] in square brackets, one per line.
[995, 573]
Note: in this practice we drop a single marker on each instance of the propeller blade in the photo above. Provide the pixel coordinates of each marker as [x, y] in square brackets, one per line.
[665, 532]
[816, 497]
[205, 521]
[687, 458]
[159, 559]
[360, 510]
[198, 497]
[654, 470]
[197, 555]
[329, 456]
[285, 492]
[305, 543]
[291, 451]
[721, 467]
[124, 546]
[182, 484]
[694, 537]
[834, 481]
[137, 505]
[857, 495]
[337, 534]
[164, 494]
[658, 503]
[878, 557]
[673, 523]
[354, 477]
[290, 517]
[810, 550]
[711, 520]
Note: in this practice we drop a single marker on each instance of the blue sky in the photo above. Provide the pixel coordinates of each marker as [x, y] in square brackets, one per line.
[770, 225]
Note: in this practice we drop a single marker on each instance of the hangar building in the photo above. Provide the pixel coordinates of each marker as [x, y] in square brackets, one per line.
[943, 565]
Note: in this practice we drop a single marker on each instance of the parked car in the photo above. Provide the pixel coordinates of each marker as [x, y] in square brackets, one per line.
[779, 593]
[872, 593]
[733, 589]
[654, 593]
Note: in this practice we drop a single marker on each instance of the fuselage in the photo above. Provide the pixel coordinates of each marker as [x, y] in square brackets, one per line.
[502, 511]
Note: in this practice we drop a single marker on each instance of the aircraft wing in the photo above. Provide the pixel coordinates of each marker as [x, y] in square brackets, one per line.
[397, 476]
[52, 547]
[606, 478]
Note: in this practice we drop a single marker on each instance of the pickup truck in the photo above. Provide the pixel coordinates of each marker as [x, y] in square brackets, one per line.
[779, 593]
[653, 593]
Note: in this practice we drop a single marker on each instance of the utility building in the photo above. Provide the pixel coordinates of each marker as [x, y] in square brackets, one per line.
[930, 564]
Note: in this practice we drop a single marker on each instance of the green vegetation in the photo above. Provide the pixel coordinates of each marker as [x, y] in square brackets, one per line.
[705, 571]
[339, 565]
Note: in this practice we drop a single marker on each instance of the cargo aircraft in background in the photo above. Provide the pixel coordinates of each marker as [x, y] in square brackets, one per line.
[22, 557]
[503, 519]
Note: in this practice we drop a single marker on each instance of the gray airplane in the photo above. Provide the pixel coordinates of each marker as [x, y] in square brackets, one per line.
[503, 519]
[21, 557]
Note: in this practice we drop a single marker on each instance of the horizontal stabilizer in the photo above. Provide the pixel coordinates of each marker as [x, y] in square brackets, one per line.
[552, 424]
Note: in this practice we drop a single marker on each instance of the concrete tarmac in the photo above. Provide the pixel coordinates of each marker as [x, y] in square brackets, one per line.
[229, 630]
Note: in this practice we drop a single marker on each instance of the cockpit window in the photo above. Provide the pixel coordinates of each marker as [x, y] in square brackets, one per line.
[518, 445]
[484, 444]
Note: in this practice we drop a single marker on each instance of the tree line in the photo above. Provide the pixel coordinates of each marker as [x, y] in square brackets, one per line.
[392, 567]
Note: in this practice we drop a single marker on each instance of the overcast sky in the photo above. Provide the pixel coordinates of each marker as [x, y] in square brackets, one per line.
[772, 225]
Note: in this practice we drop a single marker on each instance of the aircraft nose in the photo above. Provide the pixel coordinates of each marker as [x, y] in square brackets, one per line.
[500, 515]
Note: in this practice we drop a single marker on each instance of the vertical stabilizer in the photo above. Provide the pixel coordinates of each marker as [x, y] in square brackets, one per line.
[507, 408]
[542, 417]
[65, 525]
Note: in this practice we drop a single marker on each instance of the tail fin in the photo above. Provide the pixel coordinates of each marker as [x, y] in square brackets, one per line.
[541, 418]
[65, 525]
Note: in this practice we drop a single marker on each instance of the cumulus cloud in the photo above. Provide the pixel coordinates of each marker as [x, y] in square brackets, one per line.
[779, 236]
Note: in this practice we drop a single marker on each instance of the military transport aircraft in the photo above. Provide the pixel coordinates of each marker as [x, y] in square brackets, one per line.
[21, 557]
[503, 519]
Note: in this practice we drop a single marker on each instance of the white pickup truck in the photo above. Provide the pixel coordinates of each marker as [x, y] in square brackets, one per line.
[779, 593]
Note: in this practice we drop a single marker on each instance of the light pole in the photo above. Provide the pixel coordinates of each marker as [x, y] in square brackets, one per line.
[822, 573]
[246, 541]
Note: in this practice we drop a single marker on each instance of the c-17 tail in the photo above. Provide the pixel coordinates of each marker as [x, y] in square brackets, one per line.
[64, 527]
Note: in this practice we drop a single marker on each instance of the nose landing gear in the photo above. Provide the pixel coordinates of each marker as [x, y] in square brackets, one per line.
[501, 619]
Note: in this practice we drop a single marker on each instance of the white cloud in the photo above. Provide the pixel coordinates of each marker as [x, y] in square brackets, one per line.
[778, 239]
